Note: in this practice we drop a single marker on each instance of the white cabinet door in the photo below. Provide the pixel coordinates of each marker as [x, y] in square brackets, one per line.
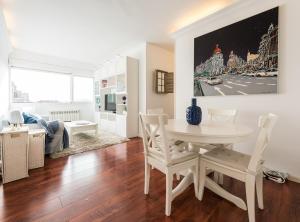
[121, 125]
[112, 127]
[107, 125]
[104, 125]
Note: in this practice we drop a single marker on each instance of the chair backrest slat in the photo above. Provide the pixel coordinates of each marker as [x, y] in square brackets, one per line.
[266, 124]
[222, 115]
[154, 135]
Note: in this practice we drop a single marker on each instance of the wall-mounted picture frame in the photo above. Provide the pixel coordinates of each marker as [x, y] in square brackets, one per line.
[164, 82]
[239, 59]
[104, 83]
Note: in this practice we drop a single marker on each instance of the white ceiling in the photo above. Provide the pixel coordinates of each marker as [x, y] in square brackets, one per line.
[91, 30]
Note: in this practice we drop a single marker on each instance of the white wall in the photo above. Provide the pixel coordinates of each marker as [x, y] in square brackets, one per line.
[152, 57]
[139, 52]
[5, 48]
[284, 151]
[159, 58]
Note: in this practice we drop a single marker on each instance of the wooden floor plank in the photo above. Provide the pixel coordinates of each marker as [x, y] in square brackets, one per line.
[107, 185]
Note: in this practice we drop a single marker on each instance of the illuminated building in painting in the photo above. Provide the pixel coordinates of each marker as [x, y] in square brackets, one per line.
[214, 65]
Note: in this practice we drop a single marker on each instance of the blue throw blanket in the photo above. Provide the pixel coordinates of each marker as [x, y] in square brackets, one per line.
[51, 128]
[65, 139]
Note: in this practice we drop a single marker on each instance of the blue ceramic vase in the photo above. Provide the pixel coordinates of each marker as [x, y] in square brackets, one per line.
[194, 113]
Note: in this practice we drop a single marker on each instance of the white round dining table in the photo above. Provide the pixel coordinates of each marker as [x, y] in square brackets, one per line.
[208, 133]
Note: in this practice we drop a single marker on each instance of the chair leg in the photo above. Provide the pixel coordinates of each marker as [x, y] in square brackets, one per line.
[250, 193]
[228, 146]
[216, 177]
[147, 177]
[259, 191]
[202, 177]
[220, 180]
[169, 186]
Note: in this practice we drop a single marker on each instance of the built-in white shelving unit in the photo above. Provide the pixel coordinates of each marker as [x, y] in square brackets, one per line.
[118, 77]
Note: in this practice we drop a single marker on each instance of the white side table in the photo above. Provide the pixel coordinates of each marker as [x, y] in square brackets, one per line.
[14, 154]
[36, 153]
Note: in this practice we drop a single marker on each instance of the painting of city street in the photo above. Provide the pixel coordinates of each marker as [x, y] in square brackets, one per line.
[239, 59]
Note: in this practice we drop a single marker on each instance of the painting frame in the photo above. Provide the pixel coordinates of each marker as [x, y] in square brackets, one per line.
[239, 59]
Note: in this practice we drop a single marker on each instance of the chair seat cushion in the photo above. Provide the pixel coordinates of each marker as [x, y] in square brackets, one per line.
[228, 158]
[177, 155]
[181, 156]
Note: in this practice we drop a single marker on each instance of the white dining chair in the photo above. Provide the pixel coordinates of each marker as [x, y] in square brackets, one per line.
[223, 116]
[155, 111]
[241, 166]
[164, 156]
[180, 144]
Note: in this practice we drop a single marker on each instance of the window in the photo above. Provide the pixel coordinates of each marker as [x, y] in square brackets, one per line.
[42, 86]
[39, 86]
[82, 89]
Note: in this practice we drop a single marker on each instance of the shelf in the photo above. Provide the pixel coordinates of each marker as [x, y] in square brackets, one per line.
[118, 114]
[120, 77]
[108, 87]
[121, 93]
[107, 112]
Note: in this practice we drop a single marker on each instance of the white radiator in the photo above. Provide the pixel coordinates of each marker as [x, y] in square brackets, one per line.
[66, 115]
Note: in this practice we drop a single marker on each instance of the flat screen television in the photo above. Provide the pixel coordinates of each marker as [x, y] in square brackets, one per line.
[110, 102]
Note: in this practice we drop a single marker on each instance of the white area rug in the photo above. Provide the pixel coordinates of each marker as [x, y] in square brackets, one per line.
[83, 142]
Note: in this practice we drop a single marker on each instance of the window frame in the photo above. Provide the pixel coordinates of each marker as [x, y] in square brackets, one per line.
[72, 75]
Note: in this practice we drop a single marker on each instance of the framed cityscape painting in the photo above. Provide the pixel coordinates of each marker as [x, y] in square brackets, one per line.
[239, 59]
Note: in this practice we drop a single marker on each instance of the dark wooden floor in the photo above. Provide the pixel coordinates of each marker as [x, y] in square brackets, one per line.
[107, 185]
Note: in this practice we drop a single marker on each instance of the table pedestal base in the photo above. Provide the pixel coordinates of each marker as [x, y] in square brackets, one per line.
[211, 185]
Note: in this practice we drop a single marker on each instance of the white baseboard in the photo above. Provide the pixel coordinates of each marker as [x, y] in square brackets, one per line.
[294, 178]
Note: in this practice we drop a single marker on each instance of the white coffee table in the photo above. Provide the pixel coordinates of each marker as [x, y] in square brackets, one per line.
[79, 127]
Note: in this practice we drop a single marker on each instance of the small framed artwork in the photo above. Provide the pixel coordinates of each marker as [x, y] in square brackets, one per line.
[104, 83]
[163, 82]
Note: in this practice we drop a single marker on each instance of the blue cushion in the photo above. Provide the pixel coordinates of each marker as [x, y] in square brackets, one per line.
[29, 118]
